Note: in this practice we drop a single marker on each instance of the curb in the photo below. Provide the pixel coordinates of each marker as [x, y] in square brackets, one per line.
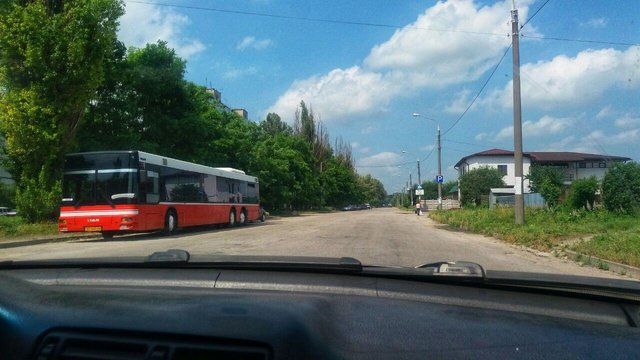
[13, 244]
[621, 269]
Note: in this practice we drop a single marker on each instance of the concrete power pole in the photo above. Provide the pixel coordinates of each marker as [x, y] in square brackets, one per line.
[517, 117]
[411, 189]
[439, 171]
[419, 180]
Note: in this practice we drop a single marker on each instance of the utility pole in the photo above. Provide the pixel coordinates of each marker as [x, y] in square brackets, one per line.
[439, 171]
[517, 116]
[419, 180]
[411, 189]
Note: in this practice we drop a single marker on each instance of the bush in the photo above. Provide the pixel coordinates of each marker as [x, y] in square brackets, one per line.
[582, 194]
[7, 195]
[547, 181]
[37, 203]
[478, 183]
[621, 188]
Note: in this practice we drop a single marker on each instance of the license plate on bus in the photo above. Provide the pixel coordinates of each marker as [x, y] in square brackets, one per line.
[93, 228]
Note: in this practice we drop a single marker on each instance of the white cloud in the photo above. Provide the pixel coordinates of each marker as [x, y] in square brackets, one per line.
[144, 23]
[368, 130]
[339, 93]
[253, 43]
[547, 125]
[364, 150]
[428, 147]
[412, 59]
[605, 112]
[481, 136]
[575, 80]
[624, 137]
[627, 121]
[562, 145]
[355, 145]
[237, 73]
[595, 23]
[384, 159]
[460, 103]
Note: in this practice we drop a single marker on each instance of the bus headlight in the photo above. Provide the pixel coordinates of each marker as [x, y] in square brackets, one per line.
[127, 220]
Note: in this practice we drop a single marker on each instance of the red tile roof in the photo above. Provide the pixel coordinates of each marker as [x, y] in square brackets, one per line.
[548, 156]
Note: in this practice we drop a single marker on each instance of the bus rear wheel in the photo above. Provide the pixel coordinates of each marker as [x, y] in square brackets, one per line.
[243, 217]
[170, 222]
[232, 218]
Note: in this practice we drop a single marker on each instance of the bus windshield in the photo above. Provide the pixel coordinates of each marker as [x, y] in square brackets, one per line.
[99, 187]
[99, 179]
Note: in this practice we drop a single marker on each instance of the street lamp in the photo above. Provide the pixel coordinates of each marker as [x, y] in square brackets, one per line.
[439, 178]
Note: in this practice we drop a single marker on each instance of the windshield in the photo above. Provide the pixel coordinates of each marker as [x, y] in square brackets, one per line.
[399, 133]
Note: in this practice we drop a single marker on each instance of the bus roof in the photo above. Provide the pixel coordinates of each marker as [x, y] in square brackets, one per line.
[181, 165]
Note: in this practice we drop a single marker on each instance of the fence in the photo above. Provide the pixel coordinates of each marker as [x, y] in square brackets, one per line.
[446, 204]
[530, 200]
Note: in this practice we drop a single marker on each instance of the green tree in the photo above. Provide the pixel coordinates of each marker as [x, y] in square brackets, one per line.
[339, 184]
[52, 57]
[281, 163]
[546, 180]
[372, 191]
[582, 193]
[477, 183]
[621, 188]
[273, 125]
[146, 104]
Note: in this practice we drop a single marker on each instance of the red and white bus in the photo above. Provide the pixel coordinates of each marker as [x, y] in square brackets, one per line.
[132, 191]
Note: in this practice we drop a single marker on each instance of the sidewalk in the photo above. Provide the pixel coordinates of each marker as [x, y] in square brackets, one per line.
[11, 243]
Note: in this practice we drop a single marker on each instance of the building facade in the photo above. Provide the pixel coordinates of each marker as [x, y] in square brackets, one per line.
[572, 164]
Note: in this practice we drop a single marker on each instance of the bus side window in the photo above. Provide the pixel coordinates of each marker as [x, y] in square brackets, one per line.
[150, 188]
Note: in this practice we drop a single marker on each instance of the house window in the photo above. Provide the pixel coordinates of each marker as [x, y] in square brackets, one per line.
[582, 165]
[603, 164]
[503, 169]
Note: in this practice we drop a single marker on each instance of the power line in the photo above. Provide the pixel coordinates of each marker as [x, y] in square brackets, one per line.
[311, 19]
[464, 143]
[369, 24]
[601, 42]
[384, 166]
[479, 92]
[534, 14]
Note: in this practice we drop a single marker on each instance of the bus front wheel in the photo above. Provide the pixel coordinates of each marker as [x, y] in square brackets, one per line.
[170, 222]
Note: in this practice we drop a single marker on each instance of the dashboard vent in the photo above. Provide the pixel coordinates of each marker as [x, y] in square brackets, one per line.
[62, 345]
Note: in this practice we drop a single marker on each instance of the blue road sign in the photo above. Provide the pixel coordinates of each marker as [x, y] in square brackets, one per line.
[439, 179]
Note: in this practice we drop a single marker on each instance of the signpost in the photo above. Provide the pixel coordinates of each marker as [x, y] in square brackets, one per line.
[440, 179]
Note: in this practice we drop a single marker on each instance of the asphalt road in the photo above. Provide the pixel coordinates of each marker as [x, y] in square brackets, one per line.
[384, 236]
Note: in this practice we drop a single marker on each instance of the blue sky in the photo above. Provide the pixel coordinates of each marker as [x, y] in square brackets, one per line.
[364, 82]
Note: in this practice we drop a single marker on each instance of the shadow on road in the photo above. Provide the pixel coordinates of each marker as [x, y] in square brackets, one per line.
[181, 232]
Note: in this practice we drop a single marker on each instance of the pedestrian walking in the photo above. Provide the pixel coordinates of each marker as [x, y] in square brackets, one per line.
[418, 208]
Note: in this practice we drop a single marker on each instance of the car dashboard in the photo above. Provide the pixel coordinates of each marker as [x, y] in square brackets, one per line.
[121, 313]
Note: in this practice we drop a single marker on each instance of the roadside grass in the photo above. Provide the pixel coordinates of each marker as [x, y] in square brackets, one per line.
[609, 236]
[15, 227]
[619, 247]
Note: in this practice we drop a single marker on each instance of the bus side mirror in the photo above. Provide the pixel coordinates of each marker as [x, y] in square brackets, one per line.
[143, 176]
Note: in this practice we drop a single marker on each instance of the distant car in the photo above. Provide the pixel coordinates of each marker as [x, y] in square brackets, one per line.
[4, 211]
[367, 206]
[350, 208]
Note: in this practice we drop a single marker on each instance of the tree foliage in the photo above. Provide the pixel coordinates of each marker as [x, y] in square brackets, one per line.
[547, 181]
[66, 83]
[621, 188]
[582, 193]
[477, 183]
[52, 57]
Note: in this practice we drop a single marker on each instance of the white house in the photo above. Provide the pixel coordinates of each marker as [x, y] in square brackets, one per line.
[573, 165]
